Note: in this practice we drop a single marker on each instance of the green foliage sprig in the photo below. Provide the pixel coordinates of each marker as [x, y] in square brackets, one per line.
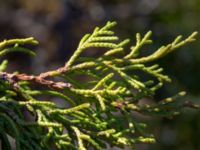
[98, 109]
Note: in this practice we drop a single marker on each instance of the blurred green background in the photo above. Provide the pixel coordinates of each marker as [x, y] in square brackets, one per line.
[60, 24]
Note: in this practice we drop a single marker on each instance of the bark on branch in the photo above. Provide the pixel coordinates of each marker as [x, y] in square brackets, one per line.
[13, 79]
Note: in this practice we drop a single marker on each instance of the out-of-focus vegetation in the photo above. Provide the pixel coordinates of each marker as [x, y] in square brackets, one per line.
[59, 25]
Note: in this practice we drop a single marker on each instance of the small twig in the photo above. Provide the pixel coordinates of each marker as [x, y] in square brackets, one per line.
[13, 79]
[191, 105]
[60, 70]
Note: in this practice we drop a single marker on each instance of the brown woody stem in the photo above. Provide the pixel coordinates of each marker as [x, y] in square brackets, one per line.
[14, 78]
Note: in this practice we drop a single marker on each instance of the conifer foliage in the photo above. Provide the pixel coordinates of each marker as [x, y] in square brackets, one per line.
[98, 110]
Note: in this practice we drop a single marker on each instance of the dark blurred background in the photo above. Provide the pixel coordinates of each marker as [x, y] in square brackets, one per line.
[60, 24]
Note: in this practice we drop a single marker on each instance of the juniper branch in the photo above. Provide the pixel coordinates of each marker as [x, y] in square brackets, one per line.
[88, 118]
